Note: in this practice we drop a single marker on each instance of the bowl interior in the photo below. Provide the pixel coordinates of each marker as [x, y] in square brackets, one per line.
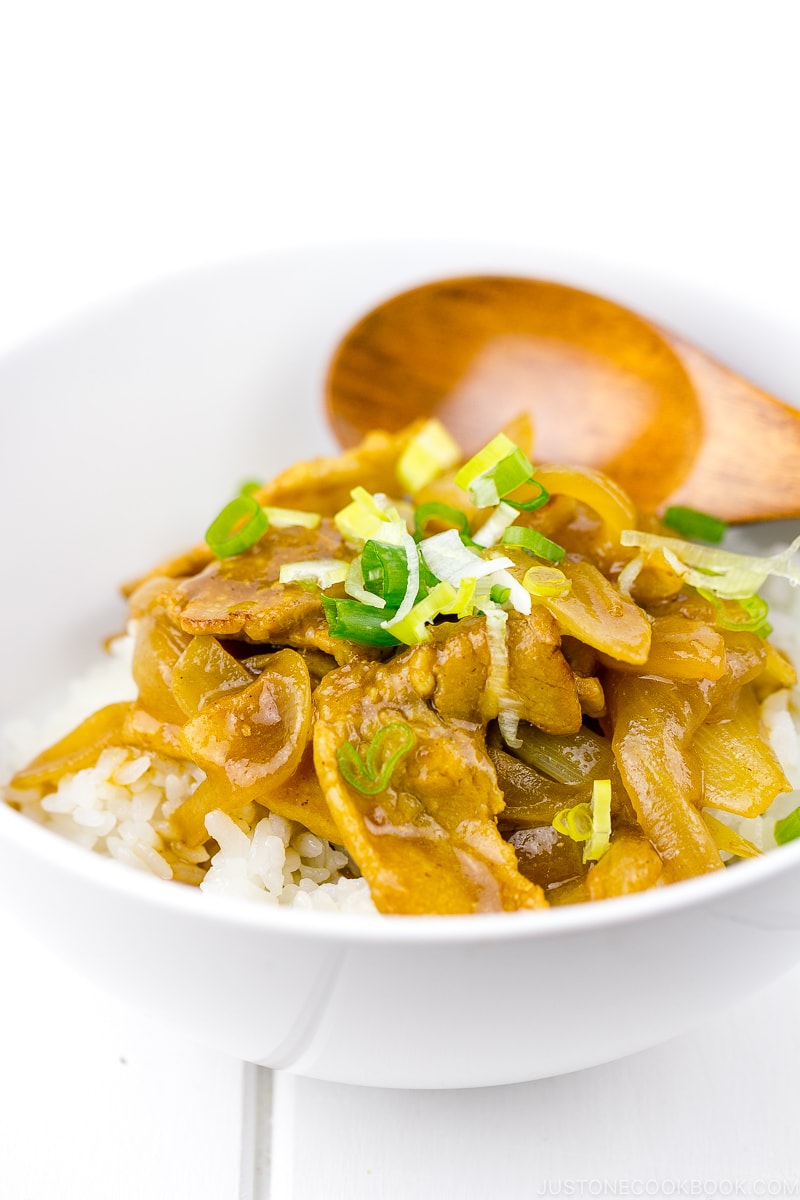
[127, 429]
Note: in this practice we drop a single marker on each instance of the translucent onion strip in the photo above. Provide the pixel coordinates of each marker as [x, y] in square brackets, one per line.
[732, 576]
[509, 706]
[323, 571]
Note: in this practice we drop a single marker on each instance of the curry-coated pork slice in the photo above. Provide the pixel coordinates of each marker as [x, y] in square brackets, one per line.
[453, 670]
[240, 597]
[420, 819]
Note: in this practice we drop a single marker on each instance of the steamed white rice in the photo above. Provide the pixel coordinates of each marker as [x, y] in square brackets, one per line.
[121, 807]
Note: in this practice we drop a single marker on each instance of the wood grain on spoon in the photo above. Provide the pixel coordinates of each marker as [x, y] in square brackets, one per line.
[604, 387]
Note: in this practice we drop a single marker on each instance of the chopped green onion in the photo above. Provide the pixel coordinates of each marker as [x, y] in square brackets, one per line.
[493, 529]
[412, 628]
[238, 527]
[590, 823]
[487, 458]
[499, 595]
[509, 704]
[323, 571]
[354, 586]
[788, 829]
[754, 610]
[427, 455]
[535, 502]
[546, 581]
[412, 579]
[598, 843]
[435, 510]
[575, 822]
[464, 602]
[693, 524]
[356, 622]
[284, 518]
[504, 477]
[534, 542]
[364, 774]
[385, 571]
[366, 518]
[249, 486]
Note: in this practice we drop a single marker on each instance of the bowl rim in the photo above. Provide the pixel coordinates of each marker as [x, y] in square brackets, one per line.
[131, 884]
[573, 920]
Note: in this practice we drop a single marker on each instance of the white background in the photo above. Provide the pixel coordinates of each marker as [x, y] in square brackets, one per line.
[137, 139]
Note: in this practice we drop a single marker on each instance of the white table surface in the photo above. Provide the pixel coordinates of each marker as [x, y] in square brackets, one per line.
[137, 140]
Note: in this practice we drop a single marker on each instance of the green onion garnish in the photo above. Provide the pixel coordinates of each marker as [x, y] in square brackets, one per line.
[238, 527]
[693, 524]
[747, 616]
[788, 829]
[357, 622]
[575, 822]
[435, 510]
[385, 571]
[325, 572]
[284, 518]
[428, 454]
[534, 542]
[546, 581]
[365, 775]
[499, 594]
[504, 477]
[249, 486]
[412, 628]
[485, 460]
[535, 502]
[601, 821]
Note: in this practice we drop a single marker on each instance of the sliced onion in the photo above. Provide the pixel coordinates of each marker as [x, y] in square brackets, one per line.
[732, 576]
[493, 529]
[509, 706]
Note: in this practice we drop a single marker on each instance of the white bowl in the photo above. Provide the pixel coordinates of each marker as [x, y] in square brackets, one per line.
[123, 433]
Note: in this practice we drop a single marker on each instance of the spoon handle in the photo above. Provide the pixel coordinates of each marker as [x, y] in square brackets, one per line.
[748, 463]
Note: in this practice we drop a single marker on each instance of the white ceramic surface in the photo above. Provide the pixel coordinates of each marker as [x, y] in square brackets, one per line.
[138, 419]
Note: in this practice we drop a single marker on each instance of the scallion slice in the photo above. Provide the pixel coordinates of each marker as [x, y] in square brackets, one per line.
[366, 518]
[238, 527]
[691, 523]
[369, 775]
[599, 841]
[575, 822]
[748, 615]
[499, 594]
[534, 542]
[354, 586]
[501, 479]
[412, 628]
[485, 460]
[285, 518]
[788, 828]
[357, 622]
[546, 581]
[436, 510]
[323, 571]
[534, 502]
[427, 455]
[385, 571]
[250, 486]
[493, 529]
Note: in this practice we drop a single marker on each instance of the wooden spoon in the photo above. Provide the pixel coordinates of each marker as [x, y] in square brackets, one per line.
[604, 388]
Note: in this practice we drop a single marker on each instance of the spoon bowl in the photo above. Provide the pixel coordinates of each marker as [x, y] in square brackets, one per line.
[604, 388]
